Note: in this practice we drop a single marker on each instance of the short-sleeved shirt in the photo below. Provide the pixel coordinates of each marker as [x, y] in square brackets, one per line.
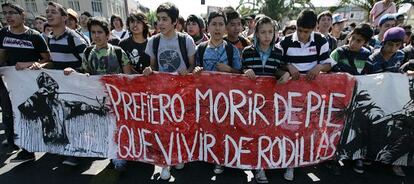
[64, 54]
[378, 8]
[381, 65]
[25, 47]
[124, 34]
[305, 56]
[104, 61]
[354, 63]
[214, 55]
[169, 55]
[136, 53]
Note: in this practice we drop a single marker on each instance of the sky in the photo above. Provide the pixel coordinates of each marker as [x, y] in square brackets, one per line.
[188, 7]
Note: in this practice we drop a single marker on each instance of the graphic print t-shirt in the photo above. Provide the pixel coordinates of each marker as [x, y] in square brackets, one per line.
[25, 47]
[169, 54]
[136, 53]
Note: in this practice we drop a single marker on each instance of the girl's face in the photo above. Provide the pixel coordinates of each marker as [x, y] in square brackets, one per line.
[193, 29]
[265, 33]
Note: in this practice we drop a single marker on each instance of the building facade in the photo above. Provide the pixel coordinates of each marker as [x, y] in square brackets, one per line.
[103, 8]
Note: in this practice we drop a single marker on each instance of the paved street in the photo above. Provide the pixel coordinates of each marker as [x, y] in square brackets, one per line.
[48, 169]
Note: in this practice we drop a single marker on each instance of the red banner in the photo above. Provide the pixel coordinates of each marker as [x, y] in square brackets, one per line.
[228, 119]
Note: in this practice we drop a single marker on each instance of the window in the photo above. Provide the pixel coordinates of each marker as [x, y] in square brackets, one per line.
[31, 5]
[97, 6]
[74, 5]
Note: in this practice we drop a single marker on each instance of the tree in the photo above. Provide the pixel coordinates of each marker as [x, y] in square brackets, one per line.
[367, 5]
[281, 9]
[152, 17]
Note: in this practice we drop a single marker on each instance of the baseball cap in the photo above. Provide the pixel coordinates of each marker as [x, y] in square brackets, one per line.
[338, 18]
[385, 18]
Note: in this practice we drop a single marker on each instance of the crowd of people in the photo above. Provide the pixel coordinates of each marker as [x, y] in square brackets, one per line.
[315, 44]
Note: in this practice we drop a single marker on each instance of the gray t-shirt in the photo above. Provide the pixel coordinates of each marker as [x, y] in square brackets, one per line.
[169, 55]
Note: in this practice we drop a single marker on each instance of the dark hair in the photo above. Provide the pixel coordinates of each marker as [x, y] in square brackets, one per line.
[113, 17]
[231, 14]
[60, 8]
[86, 13]
[307, 19]
[364, 30]
[215, 14]
[181, 20]
[138, 16]
[412, 39]
[99, 21]
[171, 10]
[46, 25]
[291, 27]
[352, 24]
[323, 14]
[16, 7]
[41, 17]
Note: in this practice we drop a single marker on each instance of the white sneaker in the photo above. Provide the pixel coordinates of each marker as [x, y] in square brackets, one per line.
[289, 174]
[261, 177]
[165, 173]
[397, 170]
[218, 169]
[179, 166]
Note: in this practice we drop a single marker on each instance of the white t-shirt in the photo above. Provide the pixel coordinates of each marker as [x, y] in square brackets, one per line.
[120, 33]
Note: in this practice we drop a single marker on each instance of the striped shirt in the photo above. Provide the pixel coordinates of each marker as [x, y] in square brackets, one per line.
[67, 49]
[305, 56]
[252, 60]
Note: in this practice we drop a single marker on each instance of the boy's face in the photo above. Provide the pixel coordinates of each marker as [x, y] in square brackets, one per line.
[265, 34]
[234, 27]
[217, 27]
[13, 17]
[387, 25]
[339, 26]
[136, 27]
[39, 24]
[391, 47]
[117, 23]
[193, 29]
[71, 23]
[356, 42]
[324, 23]
[304, 34]
[54, 18]
[164, 22]
[84, 20]
[99, 37]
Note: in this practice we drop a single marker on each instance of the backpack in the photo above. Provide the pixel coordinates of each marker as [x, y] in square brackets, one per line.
[181, 43]
[118, 53]
[71, 44]
[123, 34]
[202, 48]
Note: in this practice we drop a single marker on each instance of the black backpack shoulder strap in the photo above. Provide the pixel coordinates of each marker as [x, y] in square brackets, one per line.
[200, 52]
[72, 45]
[123, 34]
[118, 53]
[183, 48]
[229, 52]
[87, 52]
[155, 45]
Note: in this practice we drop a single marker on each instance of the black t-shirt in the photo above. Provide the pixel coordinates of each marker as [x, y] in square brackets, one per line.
[136, 53]
[25, 47]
